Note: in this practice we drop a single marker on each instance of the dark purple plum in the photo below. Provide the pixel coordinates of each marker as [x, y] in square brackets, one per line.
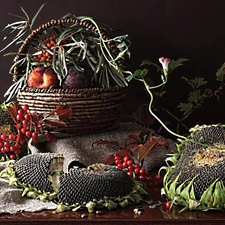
[77, 79]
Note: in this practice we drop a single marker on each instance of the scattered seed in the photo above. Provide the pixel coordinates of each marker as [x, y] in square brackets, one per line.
[139, 208]
[149, 202]
[83, 216]
[152, 206]
[99, 212]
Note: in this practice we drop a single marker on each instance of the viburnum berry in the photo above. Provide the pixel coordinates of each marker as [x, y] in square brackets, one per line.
[12, 156]
[28, 134]
[141, 177]
[25, 107]
[27, 116]
[6, 144]
[118, 161]
[117, 157]
[130, 162]
[17, 151]
[3, 150]
[126, 158]
[120, 166]
[19, 117]
[130, 173]
[136, 170]
[6, 148]
[4, 136]
[20, 112]
[168, 204]
[142, 172]
[11, 137]
[23, 130]
[124, 164]
[25, 122]
[130, 168]
[12, 148]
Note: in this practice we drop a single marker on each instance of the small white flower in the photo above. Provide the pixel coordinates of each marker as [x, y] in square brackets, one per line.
[165, 64]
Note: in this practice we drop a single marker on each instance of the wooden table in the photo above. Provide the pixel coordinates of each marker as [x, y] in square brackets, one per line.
[159, 215]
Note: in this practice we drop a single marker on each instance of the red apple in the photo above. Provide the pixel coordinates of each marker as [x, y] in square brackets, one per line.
[42, 77]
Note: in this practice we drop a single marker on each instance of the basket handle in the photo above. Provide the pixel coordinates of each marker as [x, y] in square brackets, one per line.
[25, 46]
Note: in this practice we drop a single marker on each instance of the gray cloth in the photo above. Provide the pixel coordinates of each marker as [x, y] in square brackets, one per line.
[12, 202]
[81, 149]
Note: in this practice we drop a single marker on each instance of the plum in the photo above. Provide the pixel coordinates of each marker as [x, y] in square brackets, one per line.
[77, 79]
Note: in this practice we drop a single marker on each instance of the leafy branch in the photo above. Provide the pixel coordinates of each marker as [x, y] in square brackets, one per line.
[196, 97]
[167, 68]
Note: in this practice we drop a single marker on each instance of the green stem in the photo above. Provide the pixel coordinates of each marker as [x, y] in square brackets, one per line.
[153, 114]
[103, 44]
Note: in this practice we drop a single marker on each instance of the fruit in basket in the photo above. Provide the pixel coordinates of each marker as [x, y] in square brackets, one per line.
[77, 79]
[42, 77]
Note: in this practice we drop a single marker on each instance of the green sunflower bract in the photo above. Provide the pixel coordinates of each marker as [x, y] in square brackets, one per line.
[195, 174]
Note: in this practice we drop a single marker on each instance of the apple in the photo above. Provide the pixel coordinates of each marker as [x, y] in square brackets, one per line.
[42, 77]
[77, 79]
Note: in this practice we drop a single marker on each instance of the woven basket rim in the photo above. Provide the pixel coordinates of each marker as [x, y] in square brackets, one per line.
[73, 91]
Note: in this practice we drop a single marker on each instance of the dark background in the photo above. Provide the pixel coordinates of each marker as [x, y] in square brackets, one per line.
[172, 28]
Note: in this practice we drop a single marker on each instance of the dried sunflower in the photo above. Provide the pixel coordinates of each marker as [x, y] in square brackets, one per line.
[195, 175]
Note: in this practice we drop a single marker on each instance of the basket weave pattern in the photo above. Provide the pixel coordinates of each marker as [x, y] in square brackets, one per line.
[93, 109]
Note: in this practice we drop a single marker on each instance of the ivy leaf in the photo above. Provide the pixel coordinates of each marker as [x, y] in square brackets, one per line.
[196, 82]
[176, 63]
[185, 107]
[149, 63]
[140, 73]
[194, 96]
[220, 74]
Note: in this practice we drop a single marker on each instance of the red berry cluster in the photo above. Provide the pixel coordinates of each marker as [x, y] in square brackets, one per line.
[10, 144]
[135, 170]
[25, 124]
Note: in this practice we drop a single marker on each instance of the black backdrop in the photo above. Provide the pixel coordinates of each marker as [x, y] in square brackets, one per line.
[172, 28]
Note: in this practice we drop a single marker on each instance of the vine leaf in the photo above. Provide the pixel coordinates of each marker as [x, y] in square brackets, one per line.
[121, 152]
[13, 111]
[194, 96]
[196, 82]
[185, 107]
[57, 117]
[142, 150]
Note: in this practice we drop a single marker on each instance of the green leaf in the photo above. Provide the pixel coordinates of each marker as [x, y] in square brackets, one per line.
[176, 63]
[196, 82]
[185, 107]
[194, 96]
[37, 13]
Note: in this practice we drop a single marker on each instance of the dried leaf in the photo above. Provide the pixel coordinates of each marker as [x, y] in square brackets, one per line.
[13, 111]
[133, 141]
[122, 153]
[142, 150]
[63, 114]
[50, 136]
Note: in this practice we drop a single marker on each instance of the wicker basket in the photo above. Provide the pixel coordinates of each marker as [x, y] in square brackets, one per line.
[93, 109]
